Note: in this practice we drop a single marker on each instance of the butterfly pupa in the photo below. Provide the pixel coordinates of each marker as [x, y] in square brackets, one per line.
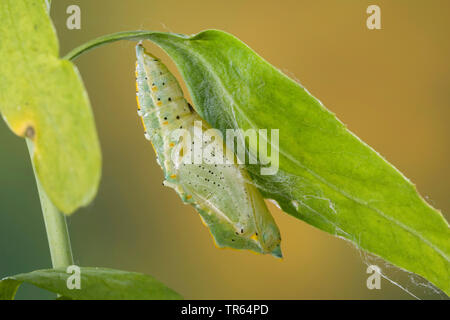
[223, 194]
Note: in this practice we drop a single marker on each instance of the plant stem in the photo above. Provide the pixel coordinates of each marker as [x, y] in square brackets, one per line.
[55, 225]
[125, 35]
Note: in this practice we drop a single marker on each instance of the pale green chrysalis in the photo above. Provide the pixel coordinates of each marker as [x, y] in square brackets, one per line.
[229, 204]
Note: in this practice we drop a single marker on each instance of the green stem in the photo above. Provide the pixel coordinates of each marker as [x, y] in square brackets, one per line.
[126, 35]
[55, 225]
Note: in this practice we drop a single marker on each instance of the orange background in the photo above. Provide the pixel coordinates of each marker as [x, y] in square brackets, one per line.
[390, 86]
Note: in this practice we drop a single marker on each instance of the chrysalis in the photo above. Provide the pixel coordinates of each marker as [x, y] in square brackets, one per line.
[229, 204]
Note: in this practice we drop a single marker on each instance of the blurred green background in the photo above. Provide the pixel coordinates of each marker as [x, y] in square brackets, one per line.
[390, 86]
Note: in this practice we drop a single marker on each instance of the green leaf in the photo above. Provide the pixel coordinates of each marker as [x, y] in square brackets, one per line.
[8, 289]
[95, 283]
[43, 98]
[327, 176]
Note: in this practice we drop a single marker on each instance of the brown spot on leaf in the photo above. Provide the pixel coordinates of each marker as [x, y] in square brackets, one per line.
[29, 132]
